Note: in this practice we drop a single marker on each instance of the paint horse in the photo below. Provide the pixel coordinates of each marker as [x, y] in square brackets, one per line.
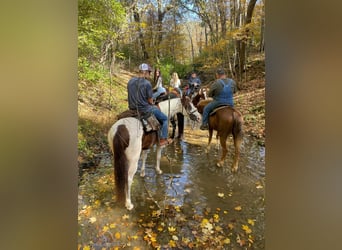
[225, 120]
[128, 141]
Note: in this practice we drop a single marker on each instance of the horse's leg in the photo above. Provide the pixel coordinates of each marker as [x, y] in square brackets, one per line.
[223, 140]
[158, 160]
[132, 169]
[237, 144]
[143, 157]
[180, 119]
[210, 137]
[173, 123]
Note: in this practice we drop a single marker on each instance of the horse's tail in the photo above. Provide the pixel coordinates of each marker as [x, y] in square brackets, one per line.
[120, 143]
[238, 122]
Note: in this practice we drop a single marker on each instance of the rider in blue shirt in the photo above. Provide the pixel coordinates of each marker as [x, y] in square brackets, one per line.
[194, 82]
[140, 98]
[221, 91]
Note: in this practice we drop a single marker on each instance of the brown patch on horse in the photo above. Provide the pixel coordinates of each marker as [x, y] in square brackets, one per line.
[149, 139]
[120, 143]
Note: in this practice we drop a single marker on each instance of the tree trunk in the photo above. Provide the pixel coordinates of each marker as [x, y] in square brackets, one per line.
[141, 35]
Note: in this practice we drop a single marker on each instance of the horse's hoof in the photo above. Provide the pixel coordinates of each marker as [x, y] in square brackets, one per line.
[142, 174]
[129, 206]
[234, 169]
[159, 172]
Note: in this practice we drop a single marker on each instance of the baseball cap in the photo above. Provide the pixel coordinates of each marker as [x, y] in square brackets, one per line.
[145, 66]
[220, 71]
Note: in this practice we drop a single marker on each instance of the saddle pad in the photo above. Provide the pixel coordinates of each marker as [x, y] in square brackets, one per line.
[127, 113]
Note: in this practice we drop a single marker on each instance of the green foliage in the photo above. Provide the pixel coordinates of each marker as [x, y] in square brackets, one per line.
[91, 72]
[98, 22]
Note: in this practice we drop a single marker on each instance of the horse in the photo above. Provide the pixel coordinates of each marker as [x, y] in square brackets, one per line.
[128, 141]
[225, 120]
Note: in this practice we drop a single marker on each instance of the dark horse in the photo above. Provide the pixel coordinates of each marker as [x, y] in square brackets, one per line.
[127, 140]
[225, 120]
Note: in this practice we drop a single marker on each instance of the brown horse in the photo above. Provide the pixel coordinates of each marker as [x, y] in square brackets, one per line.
[225, 120]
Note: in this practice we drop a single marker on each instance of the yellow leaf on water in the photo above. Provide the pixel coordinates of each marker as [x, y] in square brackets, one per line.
[221, 195]
[216, 217]
[86, 248]
[105, 229]
[112, 225]
[117, 235]
[238, 208]
[246, 229]
[250, 221]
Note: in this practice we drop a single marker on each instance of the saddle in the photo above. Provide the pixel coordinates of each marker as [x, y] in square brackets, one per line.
[148, 120]
[222, 107]
[164, 97]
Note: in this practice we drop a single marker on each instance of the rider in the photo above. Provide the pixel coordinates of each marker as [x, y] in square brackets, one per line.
[194, 82]
[158, 88]
[140, 98]
[221, 91]
[176, 83]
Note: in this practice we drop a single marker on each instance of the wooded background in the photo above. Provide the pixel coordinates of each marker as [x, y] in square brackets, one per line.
[174, 35]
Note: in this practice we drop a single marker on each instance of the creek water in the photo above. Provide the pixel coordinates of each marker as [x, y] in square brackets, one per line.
[192, 181]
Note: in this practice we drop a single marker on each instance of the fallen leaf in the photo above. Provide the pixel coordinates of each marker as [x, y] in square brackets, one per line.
[216, 217]
[117, 235]
[226, 241]
[251, 222]
[112, 225]
[125, 217]
[92, 219]
[105, 229]
[174, 237]
[238, 208]
[171, 229]
[86, 248]
[221, 195]
[246, 229]
[172, 243]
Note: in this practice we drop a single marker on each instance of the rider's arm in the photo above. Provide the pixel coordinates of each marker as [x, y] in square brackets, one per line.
[150, 100]
[213, 89]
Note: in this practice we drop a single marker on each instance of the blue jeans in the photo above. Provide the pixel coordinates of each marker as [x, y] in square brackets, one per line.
[210, 107]
[162, 118]
[159, 91]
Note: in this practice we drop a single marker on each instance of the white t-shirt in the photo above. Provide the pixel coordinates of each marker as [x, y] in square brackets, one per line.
[175, 84]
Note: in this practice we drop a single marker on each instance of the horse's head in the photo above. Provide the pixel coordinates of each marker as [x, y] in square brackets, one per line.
[201, 94]
[191, 110]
